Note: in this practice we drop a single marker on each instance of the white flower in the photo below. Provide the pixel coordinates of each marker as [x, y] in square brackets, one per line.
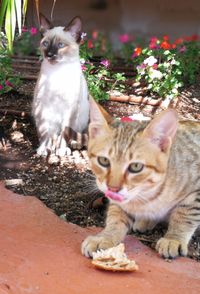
[155, 74]
[82, 60]
[151, 60]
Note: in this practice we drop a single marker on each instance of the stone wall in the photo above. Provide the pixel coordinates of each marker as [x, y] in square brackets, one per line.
[144, 18]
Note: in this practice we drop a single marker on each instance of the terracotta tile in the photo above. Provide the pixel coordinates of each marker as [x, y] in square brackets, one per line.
[40, 254]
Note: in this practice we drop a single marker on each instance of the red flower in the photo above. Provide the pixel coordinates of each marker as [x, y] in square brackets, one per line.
[165, 45]
[126, 119]
[153, 43]
[90, 44]
[8, 84]
[24, 30]
[195, 37]
[137, 52]
[155, 66]
[94, 35]
[166, 38]
[179, 41]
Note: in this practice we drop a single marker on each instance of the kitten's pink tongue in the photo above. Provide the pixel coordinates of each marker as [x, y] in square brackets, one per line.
[114, 196]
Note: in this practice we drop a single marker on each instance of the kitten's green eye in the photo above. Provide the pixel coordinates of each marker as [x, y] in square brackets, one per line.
[61, 45]
[135, 167]
[45, 43]
[103, 161]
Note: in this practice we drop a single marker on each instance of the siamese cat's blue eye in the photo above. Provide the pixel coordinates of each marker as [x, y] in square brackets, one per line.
[61, 45]
[103, 161]
[135, 167]
[45, 43]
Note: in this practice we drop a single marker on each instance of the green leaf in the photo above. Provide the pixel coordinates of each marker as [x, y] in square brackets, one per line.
[4, 6]
[18, 7]
[24, 9]
[8, 25]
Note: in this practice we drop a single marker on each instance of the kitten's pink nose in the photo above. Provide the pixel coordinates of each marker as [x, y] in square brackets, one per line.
[114, 189]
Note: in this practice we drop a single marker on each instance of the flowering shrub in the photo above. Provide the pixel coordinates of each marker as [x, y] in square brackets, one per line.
[7, 82]
[164, 66]
[27, 43]
[101, 79]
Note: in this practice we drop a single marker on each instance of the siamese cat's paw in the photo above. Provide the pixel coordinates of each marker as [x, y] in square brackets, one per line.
[76, 145]
[42, 151]
[61, 152]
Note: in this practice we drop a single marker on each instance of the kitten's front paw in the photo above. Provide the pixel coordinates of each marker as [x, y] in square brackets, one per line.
[171, 248]
[93, 243]
[143, 225]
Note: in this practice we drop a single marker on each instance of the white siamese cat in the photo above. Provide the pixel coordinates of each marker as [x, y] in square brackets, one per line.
[60, 105]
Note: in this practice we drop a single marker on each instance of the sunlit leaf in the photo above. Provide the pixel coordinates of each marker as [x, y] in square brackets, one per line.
[18, 7]
[24, 9]
[4, 5]
[8, 26]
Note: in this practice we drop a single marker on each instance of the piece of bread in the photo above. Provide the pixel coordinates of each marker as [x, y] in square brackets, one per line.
[113, 259]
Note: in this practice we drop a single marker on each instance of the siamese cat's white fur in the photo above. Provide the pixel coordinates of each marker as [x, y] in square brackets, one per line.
[60, 99]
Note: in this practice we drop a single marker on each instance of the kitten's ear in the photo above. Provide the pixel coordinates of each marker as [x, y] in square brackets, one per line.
[162, 129]
[45, 24]
[99, 120]
[75, 28]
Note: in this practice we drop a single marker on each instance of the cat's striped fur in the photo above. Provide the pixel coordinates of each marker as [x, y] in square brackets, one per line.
[166, 188]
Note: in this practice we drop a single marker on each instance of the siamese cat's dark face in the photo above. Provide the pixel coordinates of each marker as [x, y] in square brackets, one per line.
[60, 43]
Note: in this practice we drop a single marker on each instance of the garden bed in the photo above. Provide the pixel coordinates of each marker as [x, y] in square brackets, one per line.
[68, 188]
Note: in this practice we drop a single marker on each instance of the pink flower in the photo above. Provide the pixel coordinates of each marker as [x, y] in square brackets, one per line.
[124, 38]
[126, 119]
[1, 87]
[33, 31]
[94, 35]
[182, 49]
[24, 30]
[105, 62]
[83, 67]
[153, 43]
[8, 84]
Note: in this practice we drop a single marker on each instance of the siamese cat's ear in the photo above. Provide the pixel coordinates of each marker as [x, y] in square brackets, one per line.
[45, 24]
[75, 28]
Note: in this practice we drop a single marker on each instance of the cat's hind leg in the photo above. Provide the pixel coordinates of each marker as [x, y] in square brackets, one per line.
[143, 225]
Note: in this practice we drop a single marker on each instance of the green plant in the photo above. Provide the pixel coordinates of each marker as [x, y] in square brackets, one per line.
[188, 54]
[8, 82]
[161, 72]
[12, 14]
[27, 43]
[101, 79]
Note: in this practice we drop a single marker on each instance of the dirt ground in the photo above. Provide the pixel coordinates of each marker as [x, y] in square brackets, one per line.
[68, 188]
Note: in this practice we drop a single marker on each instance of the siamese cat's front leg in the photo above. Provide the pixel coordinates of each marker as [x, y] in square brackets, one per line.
[55, 144]
[117, 226]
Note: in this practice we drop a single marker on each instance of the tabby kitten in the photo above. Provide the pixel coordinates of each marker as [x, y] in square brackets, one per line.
[150, 172]
[60, 105]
